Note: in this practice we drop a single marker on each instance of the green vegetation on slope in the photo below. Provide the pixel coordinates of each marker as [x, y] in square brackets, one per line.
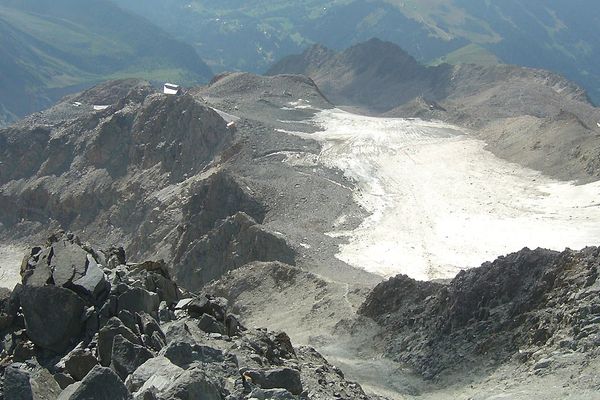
[48, 49]
[558, 35]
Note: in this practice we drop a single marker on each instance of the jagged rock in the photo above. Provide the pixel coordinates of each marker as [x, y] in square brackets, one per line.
[525, 299]
[106, 336]
[16, 383]
[271, 394]
[193, 384]
[184, 354]
[79, 362]
[9, 305]
[280, 378]
[93, 284]
[158, 373]
[99, 384]
[68, 262]
[53, 316]
[22, 384]
[63, 380]
[209, 324]
[35, 270]
[126, 357]
[129, 320]
[242, 241]
[139, 300]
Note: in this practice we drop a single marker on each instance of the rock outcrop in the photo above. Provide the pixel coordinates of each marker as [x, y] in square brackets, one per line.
[526, 306]
[142, 337]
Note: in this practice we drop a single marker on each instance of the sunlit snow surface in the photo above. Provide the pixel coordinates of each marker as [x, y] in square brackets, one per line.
[440, 202]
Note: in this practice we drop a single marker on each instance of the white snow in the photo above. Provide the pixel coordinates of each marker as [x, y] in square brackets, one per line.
[440, 202]
[10, 265]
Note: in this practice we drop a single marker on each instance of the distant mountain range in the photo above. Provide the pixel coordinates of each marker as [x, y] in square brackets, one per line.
[557, 35]
[50, 48]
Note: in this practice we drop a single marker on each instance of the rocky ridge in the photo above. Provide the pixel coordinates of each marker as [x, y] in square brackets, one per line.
[86, 323]
[537, 308]
[149, 164]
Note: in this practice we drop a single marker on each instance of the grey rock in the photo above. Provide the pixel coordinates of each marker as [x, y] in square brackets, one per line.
[209, 324]
[139, 300]
[53, 316]
[63, 379]
[20, 383]
[93, 285]
[100, 384]
[16, 383]
[280, 378]
[543, 363]
[158, 373]
[106, 336]
[79, 362]
[68, 262]
[127, 357]
[193, 384]
[183, 354]
[271, 394]
[36, 270]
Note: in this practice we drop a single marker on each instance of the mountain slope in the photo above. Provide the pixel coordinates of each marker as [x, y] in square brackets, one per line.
[52, 48]
[556, 35]
[533, 117]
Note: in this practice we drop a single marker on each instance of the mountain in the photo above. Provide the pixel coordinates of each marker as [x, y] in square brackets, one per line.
[529, 116]
[49, 49]
[266, 206]
[555, 35]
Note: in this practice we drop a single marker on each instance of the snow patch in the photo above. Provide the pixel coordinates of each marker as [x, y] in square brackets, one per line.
[439, 202]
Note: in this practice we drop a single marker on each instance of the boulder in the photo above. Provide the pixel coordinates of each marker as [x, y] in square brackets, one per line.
[209, 324]
[35, 270]
[193, 384]
[22, 384]
[16, 383]
[68, 262]
[126, 357]
[93, 285]
[106, 335]
[99, 384]
[53, 316]
[184, 354]
[279, 378]
[139, 300]
[158, 373]
[79, 362]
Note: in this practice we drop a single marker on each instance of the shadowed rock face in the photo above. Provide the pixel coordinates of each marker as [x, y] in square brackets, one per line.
[530, 300]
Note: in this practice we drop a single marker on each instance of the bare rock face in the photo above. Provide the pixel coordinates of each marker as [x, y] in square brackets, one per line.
[236, 241]
[532, 301]
[223, 232]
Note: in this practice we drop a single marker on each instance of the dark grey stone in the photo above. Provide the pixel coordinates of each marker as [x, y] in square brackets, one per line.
[79, 362]
[53, 316]
[106, 336]
[100, 384]
[209, 324]
[127, 357]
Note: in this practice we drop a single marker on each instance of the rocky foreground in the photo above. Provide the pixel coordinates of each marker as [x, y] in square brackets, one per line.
[85, 324]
